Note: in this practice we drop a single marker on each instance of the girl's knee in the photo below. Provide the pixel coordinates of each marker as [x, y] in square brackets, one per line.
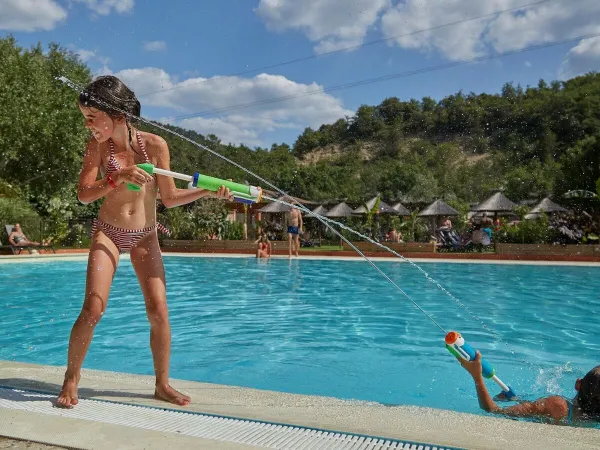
[93, 308]
[157, 311]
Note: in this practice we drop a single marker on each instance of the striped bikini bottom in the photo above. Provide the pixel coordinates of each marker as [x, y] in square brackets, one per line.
[124, 239]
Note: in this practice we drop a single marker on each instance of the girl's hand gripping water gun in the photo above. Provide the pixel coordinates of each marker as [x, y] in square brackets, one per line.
[456, 345]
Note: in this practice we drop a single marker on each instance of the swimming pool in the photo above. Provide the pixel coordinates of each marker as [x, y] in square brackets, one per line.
[322, 327]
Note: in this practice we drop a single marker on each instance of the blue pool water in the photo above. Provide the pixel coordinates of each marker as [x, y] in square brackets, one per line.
[333, 328]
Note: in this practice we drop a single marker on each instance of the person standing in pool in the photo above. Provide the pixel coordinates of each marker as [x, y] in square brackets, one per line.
[294, 220]
[584, 407]
[126, 223]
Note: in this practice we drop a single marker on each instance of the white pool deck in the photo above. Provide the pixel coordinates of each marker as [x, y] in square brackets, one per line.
[431, 426]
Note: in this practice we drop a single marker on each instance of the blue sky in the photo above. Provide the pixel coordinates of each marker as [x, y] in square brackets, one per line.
[184, 45]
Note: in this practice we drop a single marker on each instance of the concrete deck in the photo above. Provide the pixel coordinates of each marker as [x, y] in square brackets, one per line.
[403, 422]
[14, 444]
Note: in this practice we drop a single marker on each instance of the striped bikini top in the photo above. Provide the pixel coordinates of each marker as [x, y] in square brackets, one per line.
[113, 165]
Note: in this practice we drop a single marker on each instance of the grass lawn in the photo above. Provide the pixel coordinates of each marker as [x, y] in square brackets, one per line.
[323, 248]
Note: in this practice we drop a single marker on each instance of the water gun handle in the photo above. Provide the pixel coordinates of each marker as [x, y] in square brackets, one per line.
[147, 167]
[468, 353]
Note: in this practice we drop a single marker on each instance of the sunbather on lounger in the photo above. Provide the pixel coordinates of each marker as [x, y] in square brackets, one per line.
[18, 238]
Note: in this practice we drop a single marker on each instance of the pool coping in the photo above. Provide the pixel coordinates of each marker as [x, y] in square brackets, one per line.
[410, 423]
[82, 256]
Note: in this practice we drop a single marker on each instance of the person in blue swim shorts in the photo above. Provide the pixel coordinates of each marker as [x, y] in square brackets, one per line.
[294, 220]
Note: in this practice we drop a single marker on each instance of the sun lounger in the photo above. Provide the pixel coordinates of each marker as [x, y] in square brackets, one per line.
[17, 249]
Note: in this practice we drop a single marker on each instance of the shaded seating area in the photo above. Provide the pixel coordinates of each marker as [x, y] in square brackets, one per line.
[446, 238]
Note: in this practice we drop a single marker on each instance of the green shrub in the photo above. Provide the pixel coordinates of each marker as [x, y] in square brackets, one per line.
[233, 231]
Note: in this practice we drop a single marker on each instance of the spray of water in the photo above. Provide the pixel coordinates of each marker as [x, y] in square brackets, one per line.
[326, 221]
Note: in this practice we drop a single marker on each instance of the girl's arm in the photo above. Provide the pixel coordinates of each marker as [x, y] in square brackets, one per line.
[90, 189]
[554, 407]
[170, 195]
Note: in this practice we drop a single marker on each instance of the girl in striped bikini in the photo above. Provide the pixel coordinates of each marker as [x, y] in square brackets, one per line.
[126, 224]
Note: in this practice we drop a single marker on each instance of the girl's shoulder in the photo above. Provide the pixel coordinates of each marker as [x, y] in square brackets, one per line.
[154, 144]
[93, 147]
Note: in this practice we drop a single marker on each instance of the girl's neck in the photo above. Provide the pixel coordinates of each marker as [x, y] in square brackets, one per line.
[120, 137]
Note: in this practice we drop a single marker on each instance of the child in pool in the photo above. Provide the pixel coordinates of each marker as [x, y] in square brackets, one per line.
[263, 246]
[126, 223]
[585, 406]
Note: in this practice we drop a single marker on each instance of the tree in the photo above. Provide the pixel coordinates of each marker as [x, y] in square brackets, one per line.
[42, 136]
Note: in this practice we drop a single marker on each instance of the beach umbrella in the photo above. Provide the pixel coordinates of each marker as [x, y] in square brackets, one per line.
[497, 203]
[401, 209]
[339, 210]
[320, 210]
[545, 206]
[274, 207]
[383, 207]
[436, 209]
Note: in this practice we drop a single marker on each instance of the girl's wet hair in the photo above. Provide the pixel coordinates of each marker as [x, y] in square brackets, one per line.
[588, 397]
[109, 94]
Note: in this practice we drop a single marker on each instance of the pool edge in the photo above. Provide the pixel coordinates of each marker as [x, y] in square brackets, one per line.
[404, 422]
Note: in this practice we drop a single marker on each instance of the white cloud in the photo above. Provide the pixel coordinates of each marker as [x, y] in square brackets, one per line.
[250, 126]
[105, 7]
[30, 15]
[583, 58]
[556, 20]
[333, 24]
[155, 46]
[86, 55]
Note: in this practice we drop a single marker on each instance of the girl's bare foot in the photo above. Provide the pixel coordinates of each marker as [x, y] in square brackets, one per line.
[68, 394]
[168, 394]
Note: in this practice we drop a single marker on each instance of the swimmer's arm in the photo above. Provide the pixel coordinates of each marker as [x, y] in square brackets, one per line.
[170, 195]
[550, 407]
[11, 238]
[90, 190]
[300, 220]
[553, 407]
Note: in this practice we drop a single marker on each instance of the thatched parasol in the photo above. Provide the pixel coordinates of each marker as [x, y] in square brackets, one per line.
[401, 209]
[438, 208]
[339, 210]
[496, 203]
[383, 207]
[320, 210]
[545, 206]
[274, 207]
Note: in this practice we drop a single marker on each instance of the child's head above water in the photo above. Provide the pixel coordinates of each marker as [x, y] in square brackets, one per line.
[588, 393]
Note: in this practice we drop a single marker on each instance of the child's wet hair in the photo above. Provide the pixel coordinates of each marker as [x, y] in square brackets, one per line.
[588, 397]
[109, 94]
